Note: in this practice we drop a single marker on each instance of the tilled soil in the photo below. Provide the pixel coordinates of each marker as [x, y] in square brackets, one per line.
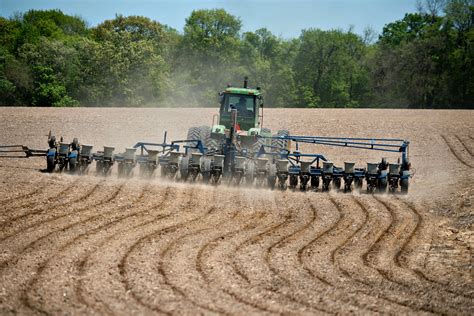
[93, 245]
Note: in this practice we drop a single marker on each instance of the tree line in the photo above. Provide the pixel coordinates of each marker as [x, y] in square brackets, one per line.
[425, 60]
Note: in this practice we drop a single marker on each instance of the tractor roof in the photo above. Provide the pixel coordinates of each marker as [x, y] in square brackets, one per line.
[233, 90]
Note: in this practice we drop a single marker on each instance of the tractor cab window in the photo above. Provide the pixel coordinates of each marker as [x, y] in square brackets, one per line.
[245, 104]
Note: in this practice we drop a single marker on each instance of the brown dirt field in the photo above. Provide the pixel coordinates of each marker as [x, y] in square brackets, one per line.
[89, 245]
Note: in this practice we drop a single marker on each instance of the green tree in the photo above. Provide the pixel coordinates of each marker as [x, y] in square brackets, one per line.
[49, 91]
[130, 67]
[53, 24]
[328, 68]
[53, 66]
[425, 60]
[7, 87]
[460, 19]
[268, 61]
[208, 56]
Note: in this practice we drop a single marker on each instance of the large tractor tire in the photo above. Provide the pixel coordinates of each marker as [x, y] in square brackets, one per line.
[208, 142]
[261, 141]
[202, 133]
[193, 134]
[258, 145]
[280, 143]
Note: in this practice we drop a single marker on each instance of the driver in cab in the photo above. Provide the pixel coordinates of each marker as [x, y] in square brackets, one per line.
[241, 107]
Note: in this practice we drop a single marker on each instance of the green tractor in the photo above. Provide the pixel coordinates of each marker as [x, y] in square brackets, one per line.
[233, 148]
[247, 103]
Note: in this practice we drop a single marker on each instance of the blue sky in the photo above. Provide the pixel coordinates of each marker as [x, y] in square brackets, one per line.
[283, 17]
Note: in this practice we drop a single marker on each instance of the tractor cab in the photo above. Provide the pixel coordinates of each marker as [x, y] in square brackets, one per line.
[247, 102]
[245, 105]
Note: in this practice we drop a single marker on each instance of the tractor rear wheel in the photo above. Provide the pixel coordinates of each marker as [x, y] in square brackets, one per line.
[193, 134]
[207, 141]
[280, 143]
[202, 133]
[261, 141]
[258, 144]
